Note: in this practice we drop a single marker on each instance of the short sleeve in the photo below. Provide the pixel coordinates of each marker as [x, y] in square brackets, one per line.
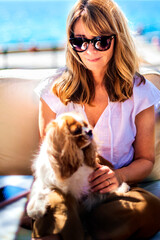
[44, 91]
[145, 96]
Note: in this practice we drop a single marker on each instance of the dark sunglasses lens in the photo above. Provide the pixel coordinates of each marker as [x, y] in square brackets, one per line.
[79, 44]
[102, 43]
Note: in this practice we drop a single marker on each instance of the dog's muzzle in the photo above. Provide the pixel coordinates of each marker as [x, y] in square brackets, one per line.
[89, 133]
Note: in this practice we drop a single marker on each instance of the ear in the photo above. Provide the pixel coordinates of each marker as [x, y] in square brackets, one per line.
[71, 158]
[90, 155]
[54, 140]
[104, 161]
[51, 125]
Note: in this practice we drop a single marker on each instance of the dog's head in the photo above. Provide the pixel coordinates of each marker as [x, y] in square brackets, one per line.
[70, 144]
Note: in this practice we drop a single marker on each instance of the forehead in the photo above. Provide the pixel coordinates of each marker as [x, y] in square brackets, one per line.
[79, 26]
[95, 20]
[81, 29]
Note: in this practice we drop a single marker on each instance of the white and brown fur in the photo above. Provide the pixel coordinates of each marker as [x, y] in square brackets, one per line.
[66, 159]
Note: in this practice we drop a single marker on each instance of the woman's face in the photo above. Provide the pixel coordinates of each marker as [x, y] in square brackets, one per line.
[93, 59]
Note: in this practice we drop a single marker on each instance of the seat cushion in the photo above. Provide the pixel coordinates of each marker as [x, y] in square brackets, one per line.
[19, 134]
[155, 174]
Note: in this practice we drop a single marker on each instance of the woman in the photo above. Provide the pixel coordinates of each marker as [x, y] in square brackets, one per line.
[101, 81]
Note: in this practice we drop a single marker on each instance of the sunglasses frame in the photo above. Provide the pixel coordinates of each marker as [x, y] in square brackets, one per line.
[93, 41]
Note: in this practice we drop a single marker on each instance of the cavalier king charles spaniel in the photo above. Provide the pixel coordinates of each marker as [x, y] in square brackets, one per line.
[66, 159]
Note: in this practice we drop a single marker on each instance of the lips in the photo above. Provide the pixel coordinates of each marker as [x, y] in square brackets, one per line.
[93, 60]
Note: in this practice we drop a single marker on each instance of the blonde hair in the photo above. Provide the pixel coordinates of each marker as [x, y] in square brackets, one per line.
[101, 17]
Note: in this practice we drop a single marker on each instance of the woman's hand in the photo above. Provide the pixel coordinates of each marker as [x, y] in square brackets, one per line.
[103, 179]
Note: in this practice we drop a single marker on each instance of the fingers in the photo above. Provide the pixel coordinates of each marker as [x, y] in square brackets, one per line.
[111, 187]
[107, 185]
[103, 180]
[99, 172]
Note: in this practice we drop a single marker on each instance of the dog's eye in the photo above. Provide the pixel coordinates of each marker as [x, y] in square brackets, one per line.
[78, 130]
[75, 130]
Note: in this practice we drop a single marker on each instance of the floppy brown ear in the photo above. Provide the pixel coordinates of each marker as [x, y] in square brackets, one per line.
[50, 125]
[71, 158]
[55, 142]
[52, 138]
[104, 161]
[90, 155]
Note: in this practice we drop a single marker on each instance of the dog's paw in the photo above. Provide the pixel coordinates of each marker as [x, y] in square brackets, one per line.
[36, 208]
[123, 188]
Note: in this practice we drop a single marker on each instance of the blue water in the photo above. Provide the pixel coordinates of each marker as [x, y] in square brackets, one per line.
[43, 22]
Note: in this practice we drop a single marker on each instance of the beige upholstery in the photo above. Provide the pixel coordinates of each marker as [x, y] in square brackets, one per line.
[19, 137]
[155, 79]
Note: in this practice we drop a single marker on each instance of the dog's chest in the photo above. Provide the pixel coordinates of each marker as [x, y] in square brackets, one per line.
[78, 183]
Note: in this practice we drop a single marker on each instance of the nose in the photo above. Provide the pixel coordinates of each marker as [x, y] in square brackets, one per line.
[89, 133]
[90, 48]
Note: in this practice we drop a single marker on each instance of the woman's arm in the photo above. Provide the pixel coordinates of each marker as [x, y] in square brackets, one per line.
[143, 147]
[143, 158]
[45, 116]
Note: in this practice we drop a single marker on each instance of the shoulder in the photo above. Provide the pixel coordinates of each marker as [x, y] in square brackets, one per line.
[144, 94]
[44, 91]
[46, 84]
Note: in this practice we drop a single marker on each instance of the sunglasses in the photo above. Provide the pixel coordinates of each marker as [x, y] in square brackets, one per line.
[101, 43]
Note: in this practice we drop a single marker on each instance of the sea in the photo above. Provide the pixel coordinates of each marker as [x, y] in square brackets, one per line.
[42, 23]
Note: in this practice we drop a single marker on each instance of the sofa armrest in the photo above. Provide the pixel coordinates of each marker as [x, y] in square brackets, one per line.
[19, 134]
[155, 174]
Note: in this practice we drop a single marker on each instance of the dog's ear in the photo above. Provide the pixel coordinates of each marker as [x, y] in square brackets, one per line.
[90, 155]
[51, 125]
[104, 161]
[54, 138]
[71, 158]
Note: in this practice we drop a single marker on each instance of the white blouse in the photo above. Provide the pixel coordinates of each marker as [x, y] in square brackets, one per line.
[115, 130]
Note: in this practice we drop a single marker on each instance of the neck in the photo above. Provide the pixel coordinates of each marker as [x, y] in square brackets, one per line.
[98, 77]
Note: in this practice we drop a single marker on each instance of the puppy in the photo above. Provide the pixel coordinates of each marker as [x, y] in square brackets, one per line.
[66, 159]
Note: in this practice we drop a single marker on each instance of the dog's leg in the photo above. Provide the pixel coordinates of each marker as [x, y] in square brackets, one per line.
[38, 200]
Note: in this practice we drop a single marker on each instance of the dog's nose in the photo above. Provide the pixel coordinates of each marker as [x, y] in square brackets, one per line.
[89, 133]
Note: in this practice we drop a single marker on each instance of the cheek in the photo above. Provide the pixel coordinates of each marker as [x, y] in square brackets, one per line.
[81, 141]
[81, 57]
[109, 53]
[108, 56]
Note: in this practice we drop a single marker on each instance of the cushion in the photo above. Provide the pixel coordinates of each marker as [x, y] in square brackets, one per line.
[155, 174]
[19, 134]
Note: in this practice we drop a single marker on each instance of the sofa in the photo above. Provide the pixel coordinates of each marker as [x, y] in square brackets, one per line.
[19, 135]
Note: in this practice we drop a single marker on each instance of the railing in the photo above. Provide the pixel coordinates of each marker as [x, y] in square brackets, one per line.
[32, 58]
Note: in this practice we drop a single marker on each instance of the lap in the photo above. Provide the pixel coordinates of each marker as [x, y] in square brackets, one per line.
[134, 213]
[61, 218]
